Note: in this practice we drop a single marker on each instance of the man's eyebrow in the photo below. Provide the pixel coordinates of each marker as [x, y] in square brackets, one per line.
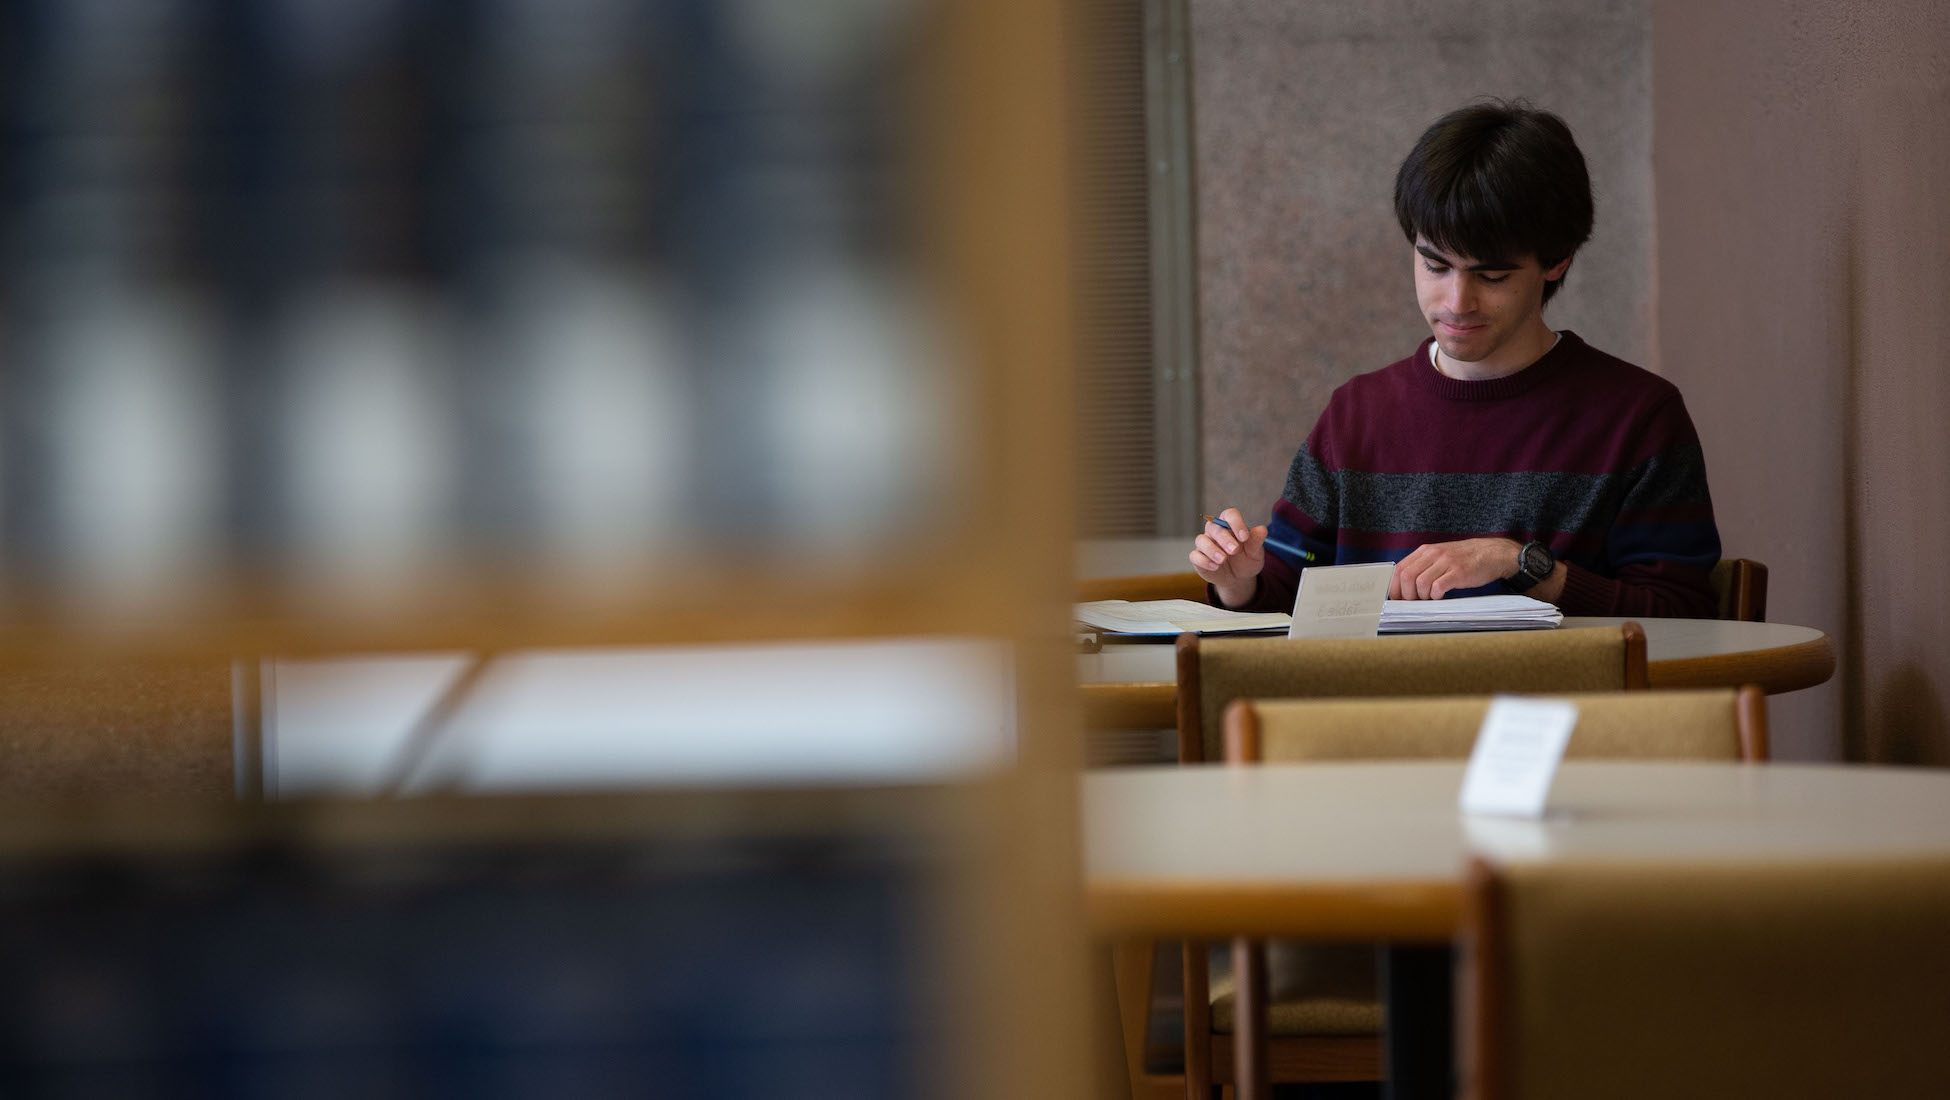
[1493, 265]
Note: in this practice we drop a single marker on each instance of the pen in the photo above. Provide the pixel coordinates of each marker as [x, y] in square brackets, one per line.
[1282, 547]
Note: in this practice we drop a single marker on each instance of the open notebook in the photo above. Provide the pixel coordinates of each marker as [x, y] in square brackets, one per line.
[1156, 617]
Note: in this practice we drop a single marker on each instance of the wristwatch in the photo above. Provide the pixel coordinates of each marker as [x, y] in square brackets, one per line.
[1534, 562]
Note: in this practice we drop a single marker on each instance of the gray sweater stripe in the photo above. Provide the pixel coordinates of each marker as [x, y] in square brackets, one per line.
[1472, 503]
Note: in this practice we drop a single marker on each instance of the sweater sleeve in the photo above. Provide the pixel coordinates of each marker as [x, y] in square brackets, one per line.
[1663, 543]
[1305, 518]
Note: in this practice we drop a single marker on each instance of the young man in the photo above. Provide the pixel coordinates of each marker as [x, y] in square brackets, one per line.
[1500, 456]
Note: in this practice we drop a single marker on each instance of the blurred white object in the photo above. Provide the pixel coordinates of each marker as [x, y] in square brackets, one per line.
[370, 444]
[136, 424]
[853, 712]
[863, 408]
[605, 420]
[811, 45]
[337, 726]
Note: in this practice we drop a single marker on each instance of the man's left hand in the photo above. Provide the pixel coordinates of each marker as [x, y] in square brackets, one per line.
[1435, 569]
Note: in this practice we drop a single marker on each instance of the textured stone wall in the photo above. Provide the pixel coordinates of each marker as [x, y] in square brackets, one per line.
[1302, 113]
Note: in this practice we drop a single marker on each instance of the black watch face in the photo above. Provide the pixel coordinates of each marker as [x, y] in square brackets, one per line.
[1537, 562]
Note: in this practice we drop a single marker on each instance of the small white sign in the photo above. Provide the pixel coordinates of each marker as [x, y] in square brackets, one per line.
[1340, 601]
[1516, 756]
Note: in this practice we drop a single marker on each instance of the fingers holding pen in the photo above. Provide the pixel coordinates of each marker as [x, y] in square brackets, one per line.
[1218, 553]
[1234, 524]
[1229, 530]
[1228, 546]
[1207, 555]
[1224, 537]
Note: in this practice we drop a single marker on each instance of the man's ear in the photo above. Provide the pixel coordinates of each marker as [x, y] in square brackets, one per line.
[1557, 270]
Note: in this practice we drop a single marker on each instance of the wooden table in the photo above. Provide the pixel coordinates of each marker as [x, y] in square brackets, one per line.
[1136, 683]
[1377, 850]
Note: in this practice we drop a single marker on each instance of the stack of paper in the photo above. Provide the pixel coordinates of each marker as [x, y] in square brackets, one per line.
[1397, 616]
[1174, 617]
[1468, 613]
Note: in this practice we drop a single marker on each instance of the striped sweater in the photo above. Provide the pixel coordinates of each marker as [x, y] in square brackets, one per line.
[1582, 451]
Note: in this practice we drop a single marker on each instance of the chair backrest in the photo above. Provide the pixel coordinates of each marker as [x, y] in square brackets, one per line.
[1787, 979]
[102, 729]
[1212, 672]
[1741, 585]
[1149, 586]
[1715, 724]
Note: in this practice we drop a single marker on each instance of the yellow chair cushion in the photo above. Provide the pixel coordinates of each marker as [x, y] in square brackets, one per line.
[1588, 659]
[1622, 725]
[1312, 989]
[1303, 1016]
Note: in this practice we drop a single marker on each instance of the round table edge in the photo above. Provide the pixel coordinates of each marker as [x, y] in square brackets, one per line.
[1777, 670]
[1417, 910]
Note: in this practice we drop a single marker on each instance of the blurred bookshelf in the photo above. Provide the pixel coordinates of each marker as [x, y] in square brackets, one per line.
[618, 946]
[425, 322]
[492, 325]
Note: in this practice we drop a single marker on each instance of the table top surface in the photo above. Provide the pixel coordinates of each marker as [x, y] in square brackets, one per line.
[1378, 849]
[1679, 653]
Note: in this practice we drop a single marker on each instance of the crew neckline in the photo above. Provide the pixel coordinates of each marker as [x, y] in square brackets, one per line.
[1459, 389]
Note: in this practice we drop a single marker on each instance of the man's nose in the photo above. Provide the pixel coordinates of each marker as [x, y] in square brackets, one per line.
[1461, 296]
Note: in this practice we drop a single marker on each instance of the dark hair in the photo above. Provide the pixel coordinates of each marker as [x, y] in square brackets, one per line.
[1496, 181]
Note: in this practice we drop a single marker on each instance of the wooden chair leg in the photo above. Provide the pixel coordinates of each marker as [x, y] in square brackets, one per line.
[1249, 1037]
[1132, 963]
[1198, 1022]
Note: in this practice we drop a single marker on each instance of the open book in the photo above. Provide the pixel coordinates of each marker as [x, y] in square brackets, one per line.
[1397, 616]
[1175, 617]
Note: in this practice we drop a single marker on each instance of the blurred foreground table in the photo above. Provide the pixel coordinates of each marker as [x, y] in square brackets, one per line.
[1377, 850]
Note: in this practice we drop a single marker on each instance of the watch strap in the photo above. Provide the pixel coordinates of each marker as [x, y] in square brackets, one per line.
[1526, 577]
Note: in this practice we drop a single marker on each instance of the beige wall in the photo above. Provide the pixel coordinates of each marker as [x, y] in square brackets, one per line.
[1802, 181]
[1302, 113]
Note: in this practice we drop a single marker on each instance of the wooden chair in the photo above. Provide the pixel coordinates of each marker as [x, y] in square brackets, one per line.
[1713, 724]
[1268, 1039]
[1742, 587]
[1121, 723]
[1122, 718]
[1213, 672]
[1151, 586]
[1795, 978]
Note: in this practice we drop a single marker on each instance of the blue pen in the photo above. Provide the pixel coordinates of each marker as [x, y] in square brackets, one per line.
[1282, 547]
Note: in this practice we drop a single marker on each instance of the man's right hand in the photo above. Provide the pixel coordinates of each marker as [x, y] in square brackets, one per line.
[1229, 563]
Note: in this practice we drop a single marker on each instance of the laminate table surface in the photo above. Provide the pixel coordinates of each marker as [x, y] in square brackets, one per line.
[1373, 851]
[1680, 653]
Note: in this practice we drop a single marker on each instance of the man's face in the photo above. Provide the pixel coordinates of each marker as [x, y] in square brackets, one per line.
[1480, 308]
